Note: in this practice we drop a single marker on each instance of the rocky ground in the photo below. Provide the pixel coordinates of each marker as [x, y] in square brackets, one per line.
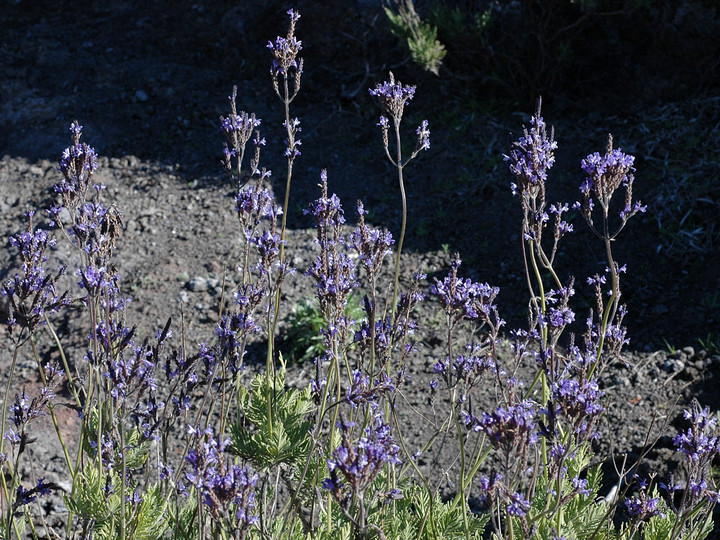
[149, 84]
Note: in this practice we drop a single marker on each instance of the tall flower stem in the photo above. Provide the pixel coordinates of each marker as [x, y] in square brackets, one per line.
[403, 225]
[6, 499]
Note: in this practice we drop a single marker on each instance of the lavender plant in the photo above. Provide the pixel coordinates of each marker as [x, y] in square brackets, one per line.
[176, 443]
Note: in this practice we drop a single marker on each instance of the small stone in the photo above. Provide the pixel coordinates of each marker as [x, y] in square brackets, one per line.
[197, 284]
[64, 216]
[689, 351]
[621, 380]
[212, 282]
[672, 365]
[141, 96]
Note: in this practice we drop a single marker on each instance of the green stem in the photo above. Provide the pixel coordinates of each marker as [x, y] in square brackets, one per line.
[66, 366]
[463, 501]
[4, 418]
[399, 165]
[123, 479]
[51, 408]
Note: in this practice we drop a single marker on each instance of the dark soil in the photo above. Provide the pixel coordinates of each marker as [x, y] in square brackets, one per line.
[149, 82]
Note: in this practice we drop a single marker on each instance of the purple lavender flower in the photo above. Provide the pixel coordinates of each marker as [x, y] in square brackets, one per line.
[699, 443]
[333, 269]
[26, 496]
[531, 157]
[641, 507]
[33, 294]
[383, 336]
[238, 128]
[511, 426]
[463, 298]
[239, 124]
[393, 97]
[285, 51]
[467, 368]
[605, 174]
[518, 505]
[360, 463]
[25, 410]
[362, 391]
[578, 399]
[292, 145]
[223, 486]
[77, 164]
[423, 134]
[372, 245]
[131, 373]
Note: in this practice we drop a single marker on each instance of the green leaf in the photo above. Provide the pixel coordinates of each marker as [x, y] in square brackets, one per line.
[150, 521]
[286, 438]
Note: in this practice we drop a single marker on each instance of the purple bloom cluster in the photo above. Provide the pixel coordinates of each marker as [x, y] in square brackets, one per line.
[292, 145]
[641, 507]
[393, 97]
[386, 333]
[700, 442]
[258, 216]
[467, 368]
[493, 490]
[25, 410]
[605, 174]
[223, 486]
[240, 125]
[580, 402]
[236, 326]
[423, 136]
[333, 269]
[33, 294]
[531, 157]
[238, 129]
[381, 334]
[509, 427]
[372, 245]
[465, 299]
[132, 373]
[558, 314]
[362, 391]
[77, 163]
[358, 464]
[285, 51]
[26, 496]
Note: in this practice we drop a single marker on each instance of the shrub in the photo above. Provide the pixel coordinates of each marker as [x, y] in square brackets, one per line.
[329, 460]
